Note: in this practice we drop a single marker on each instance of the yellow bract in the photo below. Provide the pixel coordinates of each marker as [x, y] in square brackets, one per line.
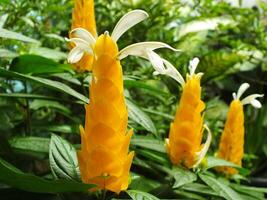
[232, 139]
[185, 134]
[83, 16]
[104, 158]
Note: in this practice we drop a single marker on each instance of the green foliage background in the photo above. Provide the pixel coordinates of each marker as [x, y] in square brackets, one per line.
[40, 94]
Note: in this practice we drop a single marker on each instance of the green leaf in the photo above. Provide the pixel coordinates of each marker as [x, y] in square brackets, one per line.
[35, 144]
[199, 188]
[40, 103]
[217, 162]
[34, 96]
[139, 195]
[63, 159]
[221, 188]
[139, 84]
[34, 64]
[148, 143]
[183, 177]
[140, 117]
[46, 82]
[12, 176]
[16, 36]
[255, 192]
[48, 53]
[139, 182]
[153, 155]
[4, 53]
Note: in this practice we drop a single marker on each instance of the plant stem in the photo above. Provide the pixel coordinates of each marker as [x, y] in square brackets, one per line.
[28, 112]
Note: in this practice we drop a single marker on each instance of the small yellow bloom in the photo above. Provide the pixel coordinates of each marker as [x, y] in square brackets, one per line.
[104, 159]
[83, 16]
[185, 136]
[231, 147]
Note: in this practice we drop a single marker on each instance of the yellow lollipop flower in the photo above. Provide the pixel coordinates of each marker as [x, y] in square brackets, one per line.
[104, 159]
[231, 147]
[185, 136]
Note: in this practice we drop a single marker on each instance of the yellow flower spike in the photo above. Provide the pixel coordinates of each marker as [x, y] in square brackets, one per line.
[83, 16]
[231, 147]
[186, 131]
[104, 159]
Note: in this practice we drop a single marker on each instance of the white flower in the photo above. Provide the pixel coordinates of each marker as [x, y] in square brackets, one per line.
[84, 42]
[251, 99]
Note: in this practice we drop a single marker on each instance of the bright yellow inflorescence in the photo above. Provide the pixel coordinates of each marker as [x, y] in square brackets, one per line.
[104, 158]
[232, 139]
[186, 130]
[83, 16]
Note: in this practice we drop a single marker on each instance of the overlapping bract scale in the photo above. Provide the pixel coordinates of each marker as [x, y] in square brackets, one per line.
[232, 139]
[185, 134]
[83, 16]
[104, 159]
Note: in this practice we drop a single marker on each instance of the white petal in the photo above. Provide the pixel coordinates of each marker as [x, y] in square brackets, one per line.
[193, 65]
[156, 62]
[255, 103]
[173, 72]
[201, 154]
[83, 34]
[82, 44]
[129, 20]
[234, 96]
[140, 49]
[241, 90]
[251, 99]
[75, 55]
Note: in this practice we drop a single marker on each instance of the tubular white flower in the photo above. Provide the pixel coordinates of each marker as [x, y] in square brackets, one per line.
[75, 55]
[83, 34]
[173, 72]
[82, 44]
[129, 20]
[241, 90]
[251, 99]
[193, 65]
[202, 153]
[140, 49]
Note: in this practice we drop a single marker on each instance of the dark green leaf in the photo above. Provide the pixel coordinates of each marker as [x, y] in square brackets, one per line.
[221, 188]
[35, 144]
[149, 143]
[139, 195]
[46, 82]
[16, 178]
[33, 64]
[63, 159]
[183, 177]
[140, 117]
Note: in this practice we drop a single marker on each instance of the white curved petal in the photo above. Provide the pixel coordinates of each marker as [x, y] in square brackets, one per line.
[140, 49]
[129, 20]
[193, 65]
[173, 72]
[83, 34]
[75, 55]
[241, 90]
[156, 62]
[201, 154]
[251, 99]
[82, 44]
[256, 104]
[234, 96]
